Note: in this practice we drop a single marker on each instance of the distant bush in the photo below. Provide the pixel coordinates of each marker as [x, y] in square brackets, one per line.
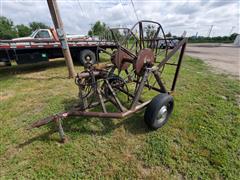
[8, 30]
[218, 39]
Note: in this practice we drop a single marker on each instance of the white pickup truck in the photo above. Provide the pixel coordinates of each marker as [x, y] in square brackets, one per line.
[49, 34]
[43, 44]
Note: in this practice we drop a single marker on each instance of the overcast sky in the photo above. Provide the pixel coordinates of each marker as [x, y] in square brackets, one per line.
[174, 15]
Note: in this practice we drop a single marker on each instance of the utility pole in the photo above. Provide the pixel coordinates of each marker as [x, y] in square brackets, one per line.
[196, 35]
[210, 30]
[231, 30]
[57, 21]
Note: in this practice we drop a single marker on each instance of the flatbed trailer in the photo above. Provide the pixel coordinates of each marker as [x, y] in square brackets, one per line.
[33, 51]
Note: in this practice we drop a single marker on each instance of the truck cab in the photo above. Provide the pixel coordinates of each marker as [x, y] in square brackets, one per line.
[50, 34]
[40, 34]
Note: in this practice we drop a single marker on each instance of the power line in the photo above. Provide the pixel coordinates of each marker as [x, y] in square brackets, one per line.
[134, 10]
[233, 27]
[125, 11]
[210, 30]
[123, 8]
[83, 12]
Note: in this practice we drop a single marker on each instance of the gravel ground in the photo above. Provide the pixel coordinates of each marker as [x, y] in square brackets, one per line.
[223, 57]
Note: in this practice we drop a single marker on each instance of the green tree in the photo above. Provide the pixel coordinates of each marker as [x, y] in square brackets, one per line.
[233, 36]
[150, 31]
[7, 29]
[168, 34]
[98, 29]
[38, 25]
[23, 30]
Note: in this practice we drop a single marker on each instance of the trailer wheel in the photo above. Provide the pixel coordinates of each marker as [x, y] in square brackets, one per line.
[87, 57]
[158, 111]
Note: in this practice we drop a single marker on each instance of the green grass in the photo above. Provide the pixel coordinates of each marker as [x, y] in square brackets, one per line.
[200, 141]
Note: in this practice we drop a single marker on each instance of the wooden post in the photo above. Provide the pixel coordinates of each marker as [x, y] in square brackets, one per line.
[57, 21]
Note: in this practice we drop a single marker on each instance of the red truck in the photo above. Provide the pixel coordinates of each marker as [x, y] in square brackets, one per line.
[43, 44]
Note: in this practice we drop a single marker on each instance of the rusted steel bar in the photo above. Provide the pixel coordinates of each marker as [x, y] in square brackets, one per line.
[128, 52]
[151, 87]
[64, 115]
[104, 50]
[178, 66]
[139, 90]
[109, 114]
[97, 114]
[84, 102]
[49, 119]
[158, 79]
[87, 74]
[172, 53]
[112, 100]
[94, 104]
[61, 115]
[101, 100]
[122, 108]
[172, 64]
[141, 41]
[129, 94]
[61, 131]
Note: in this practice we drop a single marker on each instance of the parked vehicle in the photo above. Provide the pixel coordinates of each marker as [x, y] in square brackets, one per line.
[49, 34]
[43, 44]
[167, 43]
[171, 43]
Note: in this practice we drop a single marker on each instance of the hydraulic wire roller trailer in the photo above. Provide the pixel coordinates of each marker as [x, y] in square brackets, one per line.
[116, 89]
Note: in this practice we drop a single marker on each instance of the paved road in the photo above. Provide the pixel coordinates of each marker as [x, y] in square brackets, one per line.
[225, 58]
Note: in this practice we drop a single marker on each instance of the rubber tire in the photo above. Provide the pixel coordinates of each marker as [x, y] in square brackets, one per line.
[151, 112]
[84, 53]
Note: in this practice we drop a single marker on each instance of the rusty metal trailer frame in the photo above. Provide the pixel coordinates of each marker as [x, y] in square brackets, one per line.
[99, 80]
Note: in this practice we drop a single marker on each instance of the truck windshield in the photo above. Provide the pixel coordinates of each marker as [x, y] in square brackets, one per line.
[33, 33]
[42, 34]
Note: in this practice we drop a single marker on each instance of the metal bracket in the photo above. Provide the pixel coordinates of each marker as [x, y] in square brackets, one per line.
[63, 138]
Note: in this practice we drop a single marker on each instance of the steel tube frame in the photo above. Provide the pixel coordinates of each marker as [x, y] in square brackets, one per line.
[140, 82]
[178, 67]
[136, 99]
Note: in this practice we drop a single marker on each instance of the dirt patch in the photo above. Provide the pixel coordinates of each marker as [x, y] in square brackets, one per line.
[224, 58]
[6, 95]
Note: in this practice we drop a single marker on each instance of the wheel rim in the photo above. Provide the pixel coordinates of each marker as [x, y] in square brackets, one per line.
[88, 59]
[162, 114]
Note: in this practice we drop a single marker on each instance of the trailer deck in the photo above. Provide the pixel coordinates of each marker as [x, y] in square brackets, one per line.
[32, 51]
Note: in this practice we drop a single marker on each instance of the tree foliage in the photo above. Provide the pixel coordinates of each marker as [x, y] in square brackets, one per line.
[23, 30]
[168, 34]
[233, 36]
[7, 29]
[38, 25]
[217, 39]
[150, 31]
[98, 29]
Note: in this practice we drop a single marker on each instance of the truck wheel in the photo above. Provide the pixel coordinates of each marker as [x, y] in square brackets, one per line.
[87, 57]
[158, 111]
[4, 62]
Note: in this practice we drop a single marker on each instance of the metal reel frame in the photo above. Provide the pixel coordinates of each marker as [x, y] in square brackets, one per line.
[99, 79]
